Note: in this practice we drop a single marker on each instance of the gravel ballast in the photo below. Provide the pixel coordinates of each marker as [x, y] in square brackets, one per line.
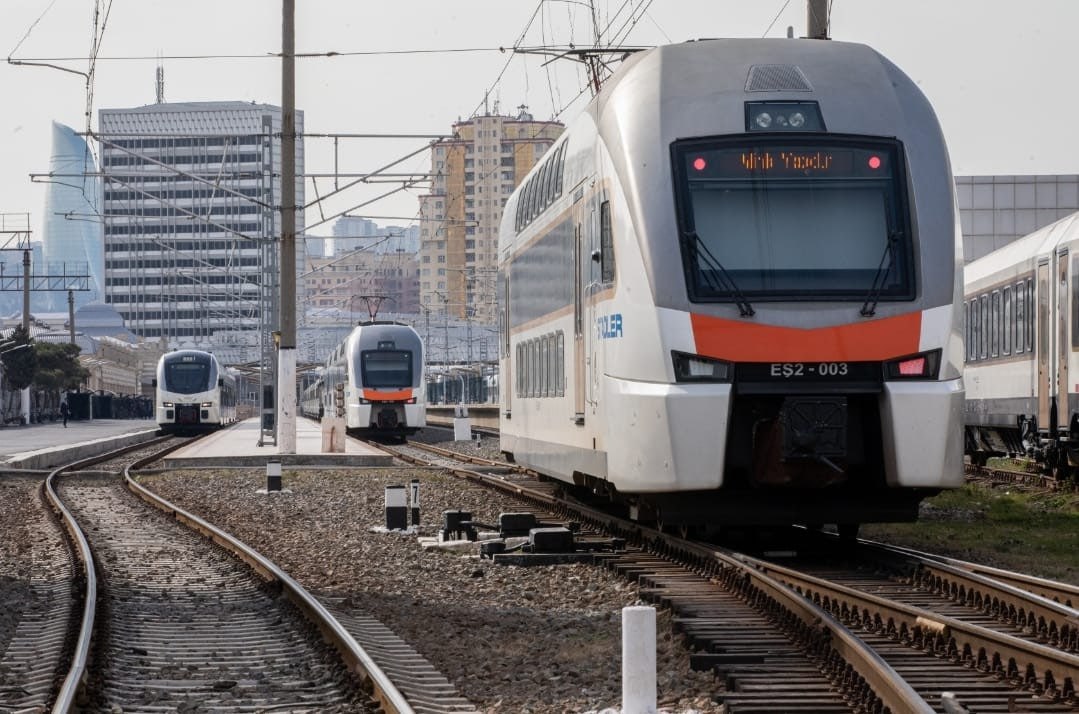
[528, 640]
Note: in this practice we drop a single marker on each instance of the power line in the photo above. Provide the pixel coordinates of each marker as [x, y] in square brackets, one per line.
[323, 54]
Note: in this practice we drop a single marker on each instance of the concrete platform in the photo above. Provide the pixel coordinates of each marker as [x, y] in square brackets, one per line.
[237, 445]
[45, 446]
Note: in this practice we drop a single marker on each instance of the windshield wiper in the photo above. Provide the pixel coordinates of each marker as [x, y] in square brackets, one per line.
[719, 280]
[869, 307]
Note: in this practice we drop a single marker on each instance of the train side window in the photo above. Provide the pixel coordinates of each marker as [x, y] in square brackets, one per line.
[1030, 314]
[1009, 322]
[967, 328]
[983, 318]
[552, 362]
[1020, 318]
[606, 243]
[520, 371]
[544, 372]
[528, 369]
[560, 351]
[533, 371]
[975, 330]
[541, 187]
[561, 169]
[994, 323]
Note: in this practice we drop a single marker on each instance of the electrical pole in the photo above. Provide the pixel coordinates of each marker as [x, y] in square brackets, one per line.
[26, 320]
[71, 314]
[286, 373]
[817, 19]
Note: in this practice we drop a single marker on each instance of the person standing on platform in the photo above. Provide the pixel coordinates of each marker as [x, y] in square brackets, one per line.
[64, 412]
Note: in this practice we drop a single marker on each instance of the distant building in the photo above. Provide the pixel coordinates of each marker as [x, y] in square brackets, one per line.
[354, 233]
[472, 175]
[191, 192]
[71, 240]
[995, 210]
[336, 285]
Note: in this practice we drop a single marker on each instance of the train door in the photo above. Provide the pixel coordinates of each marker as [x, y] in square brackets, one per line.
[579, 357]
[507, 372]
[1043, 346]
[1063, 343]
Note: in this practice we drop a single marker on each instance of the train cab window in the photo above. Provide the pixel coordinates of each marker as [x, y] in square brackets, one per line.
[387, 369]
[776, 218]
[1009, 321]
[606, 244]
[187, 377]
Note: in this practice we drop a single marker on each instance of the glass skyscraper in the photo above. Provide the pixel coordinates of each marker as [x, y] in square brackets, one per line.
[72, 241]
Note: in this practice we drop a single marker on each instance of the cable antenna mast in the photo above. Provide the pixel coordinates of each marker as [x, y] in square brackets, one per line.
[160, 85]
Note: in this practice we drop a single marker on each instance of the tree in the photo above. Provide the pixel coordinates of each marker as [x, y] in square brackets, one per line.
[20, 359]
[58, 367]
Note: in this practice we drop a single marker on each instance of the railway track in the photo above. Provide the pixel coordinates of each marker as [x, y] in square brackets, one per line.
[980, 643]
[159, 618]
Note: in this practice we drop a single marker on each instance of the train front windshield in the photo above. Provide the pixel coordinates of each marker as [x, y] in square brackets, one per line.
[386, 369]
[187, 377]
[783, 219]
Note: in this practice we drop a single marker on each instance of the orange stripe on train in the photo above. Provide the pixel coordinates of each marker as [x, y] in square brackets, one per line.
[379, 395]
[738, 341]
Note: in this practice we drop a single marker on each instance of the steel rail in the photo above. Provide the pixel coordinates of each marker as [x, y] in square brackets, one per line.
[1058, 592]
[76, 675]
[1038, 666]
[389, 698]
[997, 596]
[892, 691]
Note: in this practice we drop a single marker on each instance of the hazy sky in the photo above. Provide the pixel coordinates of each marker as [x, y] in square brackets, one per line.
[1001, 75]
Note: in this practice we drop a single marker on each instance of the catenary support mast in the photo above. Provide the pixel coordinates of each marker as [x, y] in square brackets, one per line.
[286, 374]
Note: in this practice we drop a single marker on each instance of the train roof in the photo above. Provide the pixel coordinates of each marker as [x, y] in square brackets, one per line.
[700, 89]
[1024, 250]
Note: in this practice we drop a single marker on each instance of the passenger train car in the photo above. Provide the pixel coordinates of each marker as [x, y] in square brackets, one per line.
[194, 392]
[731, 293]
[380, 369]
[1022, 372]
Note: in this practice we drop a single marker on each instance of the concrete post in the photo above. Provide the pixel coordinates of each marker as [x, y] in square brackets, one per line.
[639, 660]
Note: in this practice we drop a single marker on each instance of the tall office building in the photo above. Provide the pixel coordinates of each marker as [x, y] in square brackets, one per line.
[191, 230]
[472, 176]
[71, 231]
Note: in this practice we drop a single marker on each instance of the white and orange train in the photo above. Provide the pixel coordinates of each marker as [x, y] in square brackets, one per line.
[380, 369]
[731, 291]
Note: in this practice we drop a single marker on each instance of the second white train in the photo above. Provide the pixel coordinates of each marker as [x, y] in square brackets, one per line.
[377, 373]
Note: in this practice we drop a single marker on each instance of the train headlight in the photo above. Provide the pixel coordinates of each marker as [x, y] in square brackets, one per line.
[924, 365]
[207, 405]
[168, 405]
[694, 368]
[783, 116]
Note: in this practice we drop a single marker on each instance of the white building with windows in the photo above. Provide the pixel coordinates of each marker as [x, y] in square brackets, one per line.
[190, 226]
